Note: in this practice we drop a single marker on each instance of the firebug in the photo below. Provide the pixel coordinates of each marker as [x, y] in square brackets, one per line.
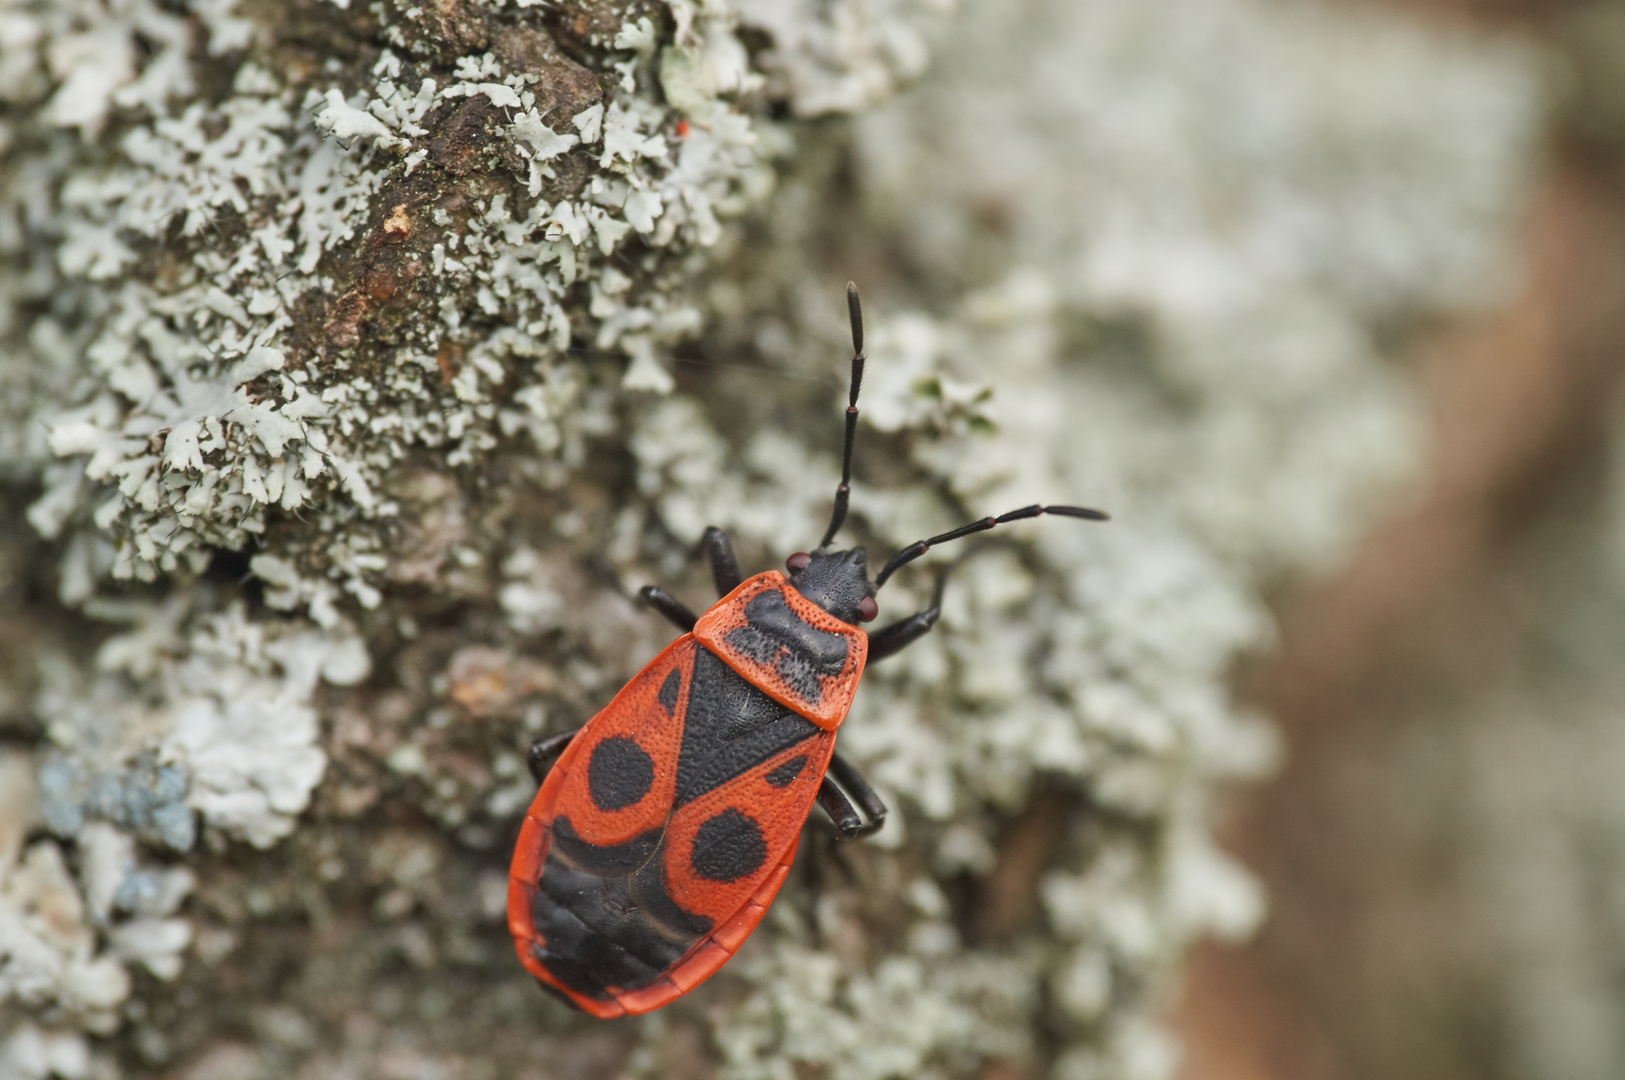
[668, 822]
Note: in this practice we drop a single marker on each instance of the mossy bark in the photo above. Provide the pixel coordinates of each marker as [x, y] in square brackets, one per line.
[362, 363]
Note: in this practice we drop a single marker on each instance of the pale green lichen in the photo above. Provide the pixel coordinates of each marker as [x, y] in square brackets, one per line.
[190, 710]
[1236, 413]
[397, 321]
[198, 423]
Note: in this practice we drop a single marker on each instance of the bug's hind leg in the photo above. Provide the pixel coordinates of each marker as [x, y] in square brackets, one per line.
[840, 810]
[544, 752]
[668, 605]
[905, 632]
[849, 824]
[724, 567]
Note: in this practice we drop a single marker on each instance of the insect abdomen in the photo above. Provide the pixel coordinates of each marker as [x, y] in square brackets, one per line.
[596, 934]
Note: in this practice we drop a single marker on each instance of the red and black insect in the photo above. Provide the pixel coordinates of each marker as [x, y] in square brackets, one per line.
[669, 821]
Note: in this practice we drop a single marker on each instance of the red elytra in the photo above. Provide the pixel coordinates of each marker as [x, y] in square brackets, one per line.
[670, 820]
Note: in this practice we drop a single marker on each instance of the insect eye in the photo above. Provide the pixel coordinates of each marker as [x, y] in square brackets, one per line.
[797, 562]
[867, 609]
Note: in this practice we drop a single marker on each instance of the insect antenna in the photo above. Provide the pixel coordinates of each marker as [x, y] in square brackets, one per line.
[844, 492]
[920, 547]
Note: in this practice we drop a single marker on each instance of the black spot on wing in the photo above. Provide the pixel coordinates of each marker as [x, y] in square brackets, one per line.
[728, 846]
[774, 634]
[670, 687]
[730, 728]
[619, 773]
[784, 774]
[605, 860]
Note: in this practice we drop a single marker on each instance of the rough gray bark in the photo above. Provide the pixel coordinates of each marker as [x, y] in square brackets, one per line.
[361, 364]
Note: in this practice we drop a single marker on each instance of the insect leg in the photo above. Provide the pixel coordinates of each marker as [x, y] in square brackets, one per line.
[849, 825]
[846, 820]
[905, 632]
[668, 605]
[544, 752]
[853, 781]
[724, 567]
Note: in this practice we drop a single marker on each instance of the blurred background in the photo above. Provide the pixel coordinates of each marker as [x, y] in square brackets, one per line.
[1444, 845]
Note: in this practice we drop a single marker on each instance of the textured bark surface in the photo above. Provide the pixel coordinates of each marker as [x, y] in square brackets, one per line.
[360, 364]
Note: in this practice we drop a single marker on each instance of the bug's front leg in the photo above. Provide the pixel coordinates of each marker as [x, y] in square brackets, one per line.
[544, 752]
[724, 571]
[905, 632]
[675, 611]
[724, 567]
[849, 824]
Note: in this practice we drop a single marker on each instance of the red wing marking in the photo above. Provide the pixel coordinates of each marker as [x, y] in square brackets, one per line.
[523, 873]
[618, 778]
[713, 862]
[821, 693]
[645, 718]
[732, 934]
[530, 852]
[699, 965]
[646, 998]
[708, 954]
[770, 888]
[725, 854]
